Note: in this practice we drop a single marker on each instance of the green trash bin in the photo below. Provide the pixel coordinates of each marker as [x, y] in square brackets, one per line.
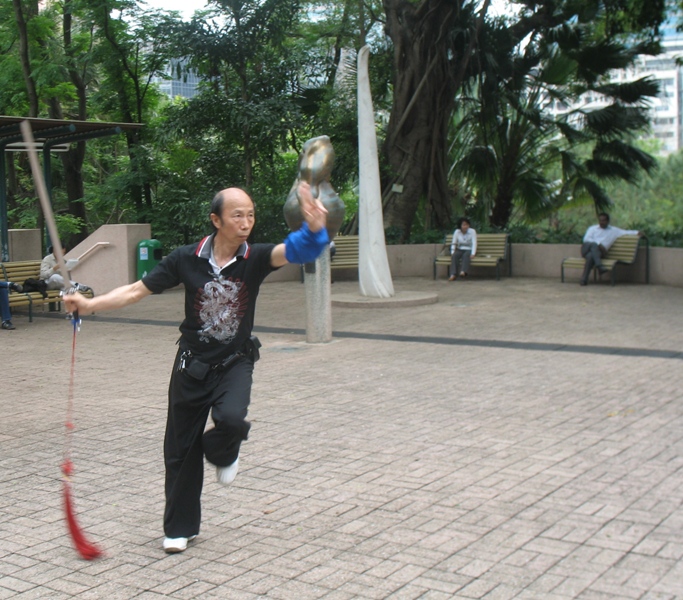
[148, 256]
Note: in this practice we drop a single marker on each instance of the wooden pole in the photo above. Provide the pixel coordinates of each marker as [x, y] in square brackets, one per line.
[39, 180]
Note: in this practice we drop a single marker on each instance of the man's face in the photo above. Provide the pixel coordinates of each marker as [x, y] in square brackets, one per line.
[464, 226]
[237, 217]
[603, 221]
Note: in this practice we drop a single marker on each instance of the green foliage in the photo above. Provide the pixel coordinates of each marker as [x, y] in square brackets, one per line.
[655, 204]
[349, 196]
[67, 225]
[269, 194]
[275, 75]
[517, 160]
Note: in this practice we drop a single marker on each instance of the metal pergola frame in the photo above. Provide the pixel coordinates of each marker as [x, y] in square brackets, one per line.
[51, 135]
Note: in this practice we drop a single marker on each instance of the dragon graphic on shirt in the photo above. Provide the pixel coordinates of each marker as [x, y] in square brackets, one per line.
[220, 305]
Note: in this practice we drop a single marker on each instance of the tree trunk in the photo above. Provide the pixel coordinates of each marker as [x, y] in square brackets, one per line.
[503, 201]
[12, 181]
[135, 189]
[430, 63]
[25, 58]
[502, 208]
[72, 161]
[415, 148]
[339, 44]
[126, 73]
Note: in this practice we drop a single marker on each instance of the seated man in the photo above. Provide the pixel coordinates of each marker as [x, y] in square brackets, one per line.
[5, 313]
[49, 272]
[597, 241]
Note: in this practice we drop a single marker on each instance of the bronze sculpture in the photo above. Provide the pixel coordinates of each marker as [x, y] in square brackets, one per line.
[315, 167]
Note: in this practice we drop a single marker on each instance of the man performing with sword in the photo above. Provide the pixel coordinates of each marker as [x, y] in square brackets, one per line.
[213, 368]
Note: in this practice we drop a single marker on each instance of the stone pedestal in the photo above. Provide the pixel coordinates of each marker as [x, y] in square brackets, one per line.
[318, 282]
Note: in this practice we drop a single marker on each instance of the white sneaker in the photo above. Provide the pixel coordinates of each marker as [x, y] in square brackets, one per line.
[175, 545]
[226, 475]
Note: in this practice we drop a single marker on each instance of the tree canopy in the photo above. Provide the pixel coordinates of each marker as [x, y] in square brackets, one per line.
[461, 96]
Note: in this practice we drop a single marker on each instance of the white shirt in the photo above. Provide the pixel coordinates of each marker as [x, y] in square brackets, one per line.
[464, 241]
[48, 267]
[607, 236]
[215, 266]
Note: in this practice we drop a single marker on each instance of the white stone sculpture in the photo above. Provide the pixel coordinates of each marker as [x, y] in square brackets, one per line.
[374, 274]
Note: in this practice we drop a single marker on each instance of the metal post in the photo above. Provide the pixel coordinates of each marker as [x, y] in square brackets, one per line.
[47, 175]
[4, 222]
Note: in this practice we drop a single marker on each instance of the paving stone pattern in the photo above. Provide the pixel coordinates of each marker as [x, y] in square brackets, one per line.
[377, 467]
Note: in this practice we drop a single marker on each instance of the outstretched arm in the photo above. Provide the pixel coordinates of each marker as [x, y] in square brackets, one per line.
[117, 298]
[315, 215]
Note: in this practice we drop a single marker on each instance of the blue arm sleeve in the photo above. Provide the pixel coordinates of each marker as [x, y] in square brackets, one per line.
[303, 246]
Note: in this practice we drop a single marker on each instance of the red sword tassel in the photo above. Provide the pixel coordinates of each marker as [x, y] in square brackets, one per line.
[84, 547]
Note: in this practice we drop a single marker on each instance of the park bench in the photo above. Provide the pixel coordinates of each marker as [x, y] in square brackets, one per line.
[492, 249]
[20, 271]
[345, 253]
[622, 252]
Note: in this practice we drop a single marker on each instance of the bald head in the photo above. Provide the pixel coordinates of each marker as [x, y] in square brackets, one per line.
[229, 197]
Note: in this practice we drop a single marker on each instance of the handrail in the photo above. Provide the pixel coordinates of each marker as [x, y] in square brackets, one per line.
[92, 249]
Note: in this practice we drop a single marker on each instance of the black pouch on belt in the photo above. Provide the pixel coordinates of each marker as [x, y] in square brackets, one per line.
[197, 369]
[251, 347]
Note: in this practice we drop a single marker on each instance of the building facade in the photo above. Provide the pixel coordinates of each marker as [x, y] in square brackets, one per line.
[178, 81]
[666, 116]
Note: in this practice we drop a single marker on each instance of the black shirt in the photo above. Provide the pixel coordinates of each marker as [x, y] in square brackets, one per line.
[219, 309]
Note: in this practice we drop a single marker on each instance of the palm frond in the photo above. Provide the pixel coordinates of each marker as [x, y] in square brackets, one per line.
[596, 60]
[610, 169]
[573, 135]
[570, 166]
[625, 153]
[534, 193]
[615, 120]
[558, 69]
[566, 35]
[480, 163]
[631, 92]
[583, 186]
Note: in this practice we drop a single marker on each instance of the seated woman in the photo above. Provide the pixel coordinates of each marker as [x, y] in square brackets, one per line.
[463, 247]
[49, 272]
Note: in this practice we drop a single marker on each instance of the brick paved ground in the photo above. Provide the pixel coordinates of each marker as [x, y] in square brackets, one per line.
[519, 439]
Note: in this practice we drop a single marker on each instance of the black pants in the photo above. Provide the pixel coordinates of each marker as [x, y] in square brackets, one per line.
[226, 395]
[593, 253]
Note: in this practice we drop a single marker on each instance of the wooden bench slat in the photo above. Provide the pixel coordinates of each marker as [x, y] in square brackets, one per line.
[346, 253]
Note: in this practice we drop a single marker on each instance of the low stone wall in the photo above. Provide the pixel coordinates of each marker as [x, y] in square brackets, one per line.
[528, 260]
[666, 266]
[112, 265]
[24, 244]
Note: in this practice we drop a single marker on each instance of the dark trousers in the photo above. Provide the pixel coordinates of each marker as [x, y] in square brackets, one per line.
[226, 395]
[5, 313]
[593, 253]
[458, 257]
